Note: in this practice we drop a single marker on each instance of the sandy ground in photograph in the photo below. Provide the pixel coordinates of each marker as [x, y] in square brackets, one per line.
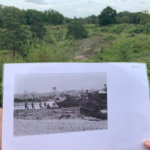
[46, 121]
[33, 127]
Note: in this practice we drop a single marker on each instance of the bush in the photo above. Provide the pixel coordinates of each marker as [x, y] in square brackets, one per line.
[108, 37]
[132, 35]
[136, 50]
[76, 30]
[147, 28]
[104, 29]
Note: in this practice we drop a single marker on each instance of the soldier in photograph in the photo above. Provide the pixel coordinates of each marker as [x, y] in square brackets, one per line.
[54, 105]
[44, 104]
[48, 106]
[26, 106]
[105, 87]
[33, 106]
[40, 104]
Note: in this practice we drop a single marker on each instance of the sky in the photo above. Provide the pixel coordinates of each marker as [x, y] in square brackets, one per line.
[80, 8]
[44, 83]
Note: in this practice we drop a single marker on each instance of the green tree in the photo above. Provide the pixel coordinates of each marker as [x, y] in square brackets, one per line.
[1, 23]
[145, 17]
[91, 19]
[147, 28]
[16, 13]
[125, 19]
[13, 36]
[29, 14]
[107, 16]
[54, 17]
[118, 20]
[68, 20]
[37, 28]
[133, 17]
[76, 30]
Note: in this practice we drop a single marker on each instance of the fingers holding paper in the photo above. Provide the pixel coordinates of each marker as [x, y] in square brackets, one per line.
[147, 144]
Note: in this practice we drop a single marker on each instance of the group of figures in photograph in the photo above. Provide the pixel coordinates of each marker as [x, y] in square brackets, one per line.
[60, 111]
[47, 106]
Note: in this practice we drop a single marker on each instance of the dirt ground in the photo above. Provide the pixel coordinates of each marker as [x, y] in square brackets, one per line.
[89, 47]
[60, 120]
[48, 114]
[36, 127]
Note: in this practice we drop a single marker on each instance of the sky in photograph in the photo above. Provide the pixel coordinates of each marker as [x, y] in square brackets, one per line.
[80, 8]
[44, 83]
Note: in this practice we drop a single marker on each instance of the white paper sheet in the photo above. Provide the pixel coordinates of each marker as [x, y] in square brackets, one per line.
[128, 109]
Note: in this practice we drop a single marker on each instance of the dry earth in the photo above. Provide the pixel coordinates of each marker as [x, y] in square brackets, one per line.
[89, 47]
[34, 127]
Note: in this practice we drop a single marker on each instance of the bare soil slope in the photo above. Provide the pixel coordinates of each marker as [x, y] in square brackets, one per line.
[88, 47]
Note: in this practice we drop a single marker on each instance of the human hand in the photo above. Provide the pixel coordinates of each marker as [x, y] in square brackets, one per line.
[147, 144]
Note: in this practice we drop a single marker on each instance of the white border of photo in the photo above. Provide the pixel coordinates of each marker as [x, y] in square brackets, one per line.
[128, 109]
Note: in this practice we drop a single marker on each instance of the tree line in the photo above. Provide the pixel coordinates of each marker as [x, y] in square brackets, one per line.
[24, 17]
[16, 23]
[110, 16]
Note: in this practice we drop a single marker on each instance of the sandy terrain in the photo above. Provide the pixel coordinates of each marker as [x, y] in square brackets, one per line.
[46, 121]
[33, 127]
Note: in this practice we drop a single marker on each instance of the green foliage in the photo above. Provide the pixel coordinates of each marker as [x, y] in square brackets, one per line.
[15, 12]
[113, 29]
[24, 16]
[37, 28]
[128, 17]
[124, 49]
[144, 17]
[47, 53]
[13, 35]
[91, 19]
[107, 16]
[49, 37]
[1, 23]
[53, 17]
[119, 20]
[92, 29]
[102, 49]
[29, 14]
[147, 28]
[76, 30]
[67, 20]
[108, 37]
[123, 28]
[124, 52]
[125, 19]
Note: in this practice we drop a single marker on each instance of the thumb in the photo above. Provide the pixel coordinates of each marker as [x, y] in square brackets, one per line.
[147, 144]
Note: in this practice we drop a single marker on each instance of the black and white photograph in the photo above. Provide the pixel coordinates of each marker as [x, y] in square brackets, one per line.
[59, 103]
